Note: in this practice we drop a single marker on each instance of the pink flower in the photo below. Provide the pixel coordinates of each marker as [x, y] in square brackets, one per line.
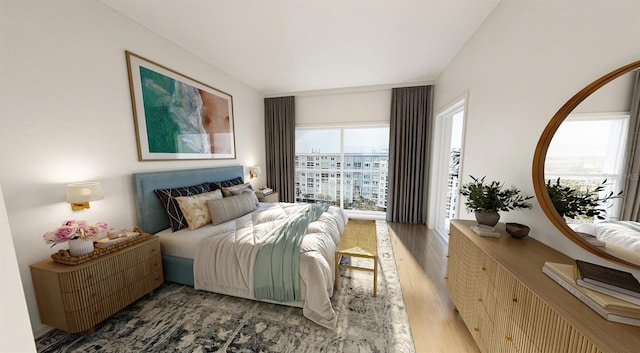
[73, 229]
[65, 233]
[49, 237]
[74, 223]
[60, 235]
[92, 231]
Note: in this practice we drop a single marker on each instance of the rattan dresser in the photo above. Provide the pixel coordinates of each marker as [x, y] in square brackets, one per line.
[510, 305]
[76, 298]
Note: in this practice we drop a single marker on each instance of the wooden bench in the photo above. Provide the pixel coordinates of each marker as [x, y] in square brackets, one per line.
[358, 244]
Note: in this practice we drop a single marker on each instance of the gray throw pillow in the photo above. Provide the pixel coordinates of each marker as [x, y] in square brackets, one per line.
[247, 191]
[228, 208]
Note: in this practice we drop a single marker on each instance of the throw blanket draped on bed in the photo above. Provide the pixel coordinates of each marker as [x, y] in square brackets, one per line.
[276, 270]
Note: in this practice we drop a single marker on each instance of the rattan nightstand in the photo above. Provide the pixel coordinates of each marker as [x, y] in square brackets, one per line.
[273, 197]
[76, 298]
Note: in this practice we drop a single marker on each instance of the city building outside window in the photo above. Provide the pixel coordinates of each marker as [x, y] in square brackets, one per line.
[361, 185]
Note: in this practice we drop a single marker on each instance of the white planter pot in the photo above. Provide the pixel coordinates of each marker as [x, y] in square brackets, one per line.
[78, 247]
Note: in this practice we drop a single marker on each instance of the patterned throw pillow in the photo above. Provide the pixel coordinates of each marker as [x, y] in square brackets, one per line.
[168, 199]
[226, 183]
[195, 208]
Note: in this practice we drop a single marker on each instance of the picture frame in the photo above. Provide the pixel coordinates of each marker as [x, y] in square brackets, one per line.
[177, 117]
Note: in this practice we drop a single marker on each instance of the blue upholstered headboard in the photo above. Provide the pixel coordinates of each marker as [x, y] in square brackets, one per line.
[151, 215]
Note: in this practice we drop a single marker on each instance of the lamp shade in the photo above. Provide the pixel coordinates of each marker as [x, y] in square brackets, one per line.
[84, 192]
[254, 172]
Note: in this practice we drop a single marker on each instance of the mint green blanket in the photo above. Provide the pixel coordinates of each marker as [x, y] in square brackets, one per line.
[277, 267]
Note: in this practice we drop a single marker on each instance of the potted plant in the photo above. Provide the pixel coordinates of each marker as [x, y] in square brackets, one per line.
[487, 199]
[573, 203]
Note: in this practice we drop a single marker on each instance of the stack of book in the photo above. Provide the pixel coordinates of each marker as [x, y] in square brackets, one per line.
[485, 231]
[613, 294]
[264, 191]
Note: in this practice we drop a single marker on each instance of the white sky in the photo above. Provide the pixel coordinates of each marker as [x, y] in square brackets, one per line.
[580, 139]
[356, 140]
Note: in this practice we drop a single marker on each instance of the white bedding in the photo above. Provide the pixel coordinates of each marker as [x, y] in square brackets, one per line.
[612, 233]
[184, 242]
[224, 255]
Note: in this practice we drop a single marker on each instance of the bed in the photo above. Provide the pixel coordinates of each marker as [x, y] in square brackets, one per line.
[624, 234]
[223, 258]
[618, 238]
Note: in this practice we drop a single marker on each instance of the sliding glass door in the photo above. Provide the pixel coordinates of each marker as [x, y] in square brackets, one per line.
[343, 166]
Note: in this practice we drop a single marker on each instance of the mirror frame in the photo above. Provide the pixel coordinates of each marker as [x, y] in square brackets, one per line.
[540, 156]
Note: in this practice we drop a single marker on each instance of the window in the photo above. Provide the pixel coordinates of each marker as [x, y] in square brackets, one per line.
[587, 149]
[355, 148]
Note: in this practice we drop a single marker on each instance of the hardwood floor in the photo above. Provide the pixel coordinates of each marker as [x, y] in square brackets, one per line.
[421, 262]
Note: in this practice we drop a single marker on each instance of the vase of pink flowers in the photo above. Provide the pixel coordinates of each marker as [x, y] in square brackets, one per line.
[79, 234]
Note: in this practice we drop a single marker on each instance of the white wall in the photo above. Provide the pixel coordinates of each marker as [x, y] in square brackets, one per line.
[520, 67]
[65, 116]
[15, 328]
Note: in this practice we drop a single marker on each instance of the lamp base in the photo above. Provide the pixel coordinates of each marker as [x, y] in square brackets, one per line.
[76, 206]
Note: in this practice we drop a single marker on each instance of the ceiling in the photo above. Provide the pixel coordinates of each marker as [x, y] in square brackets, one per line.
[287, 46]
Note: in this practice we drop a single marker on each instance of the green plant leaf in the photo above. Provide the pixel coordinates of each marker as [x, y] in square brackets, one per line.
[482, 196]
[573, 203]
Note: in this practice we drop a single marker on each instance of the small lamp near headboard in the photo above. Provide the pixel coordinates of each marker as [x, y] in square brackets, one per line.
[254, 172]
[79, 194]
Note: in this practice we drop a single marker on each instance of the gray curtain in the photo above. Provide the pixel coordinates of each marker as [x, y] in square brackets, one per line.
[409, 147]
[280, 138]
[631, 206]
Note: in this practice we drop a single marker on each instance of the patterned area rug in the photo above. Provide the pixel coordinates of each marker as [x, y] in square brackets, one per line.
[178, 318]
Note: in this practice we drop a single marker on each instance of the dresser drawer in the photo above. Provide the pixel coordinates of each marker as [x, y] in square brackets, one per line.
[91, 315]
[146, 284]
[79, 299]
[505, 287]
[142, 269]
[520, 306]
[101, 268]
[481, 325]
[489, 270]
[87, 317]
[508, 336]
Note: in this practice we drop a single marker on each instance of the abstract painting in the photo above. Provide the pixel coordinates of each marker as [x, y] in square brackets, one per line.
[177, 117]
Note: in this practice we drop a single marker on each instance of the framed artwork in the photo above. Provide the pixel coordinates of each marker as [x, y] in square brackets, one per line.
[177, 117]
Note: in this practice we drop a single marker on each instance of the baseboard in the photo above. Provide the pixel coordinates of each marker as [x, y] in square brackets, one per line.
[442, 236]
[41, 331]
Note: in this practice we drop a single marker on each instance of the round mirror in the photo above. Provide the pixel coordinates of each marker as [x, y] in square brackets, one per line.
[616, 239]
